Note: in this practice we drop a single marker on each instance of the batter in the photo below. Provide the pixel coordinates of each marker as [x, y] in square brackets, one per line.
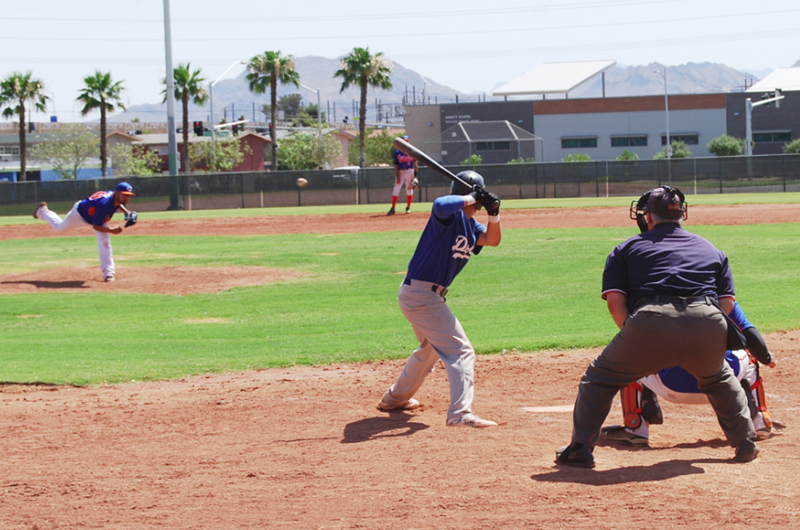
[447, 243]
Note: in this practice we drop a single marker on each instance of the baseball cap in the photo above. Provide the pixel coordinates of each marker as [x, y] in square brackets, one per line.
[125, 189]
[666, 202]
[404, 137]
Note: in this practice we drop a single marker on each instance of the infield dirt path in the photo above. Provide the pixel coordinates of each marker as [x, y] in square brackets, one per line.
[305, 448]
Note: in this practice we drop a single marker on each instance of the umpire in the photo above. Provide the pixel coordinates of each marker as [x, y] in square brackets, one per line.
[664, 289]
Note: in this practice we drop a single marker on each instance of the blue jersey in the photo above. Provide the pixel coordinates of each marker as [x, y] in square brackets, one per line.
[402, 160]
[446, 244]
[98, 208]
[679, 380]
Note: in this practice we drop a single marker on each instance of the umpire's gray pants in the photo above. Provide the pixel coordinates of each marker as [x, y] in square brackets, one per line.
[658, 336]
[440, 336]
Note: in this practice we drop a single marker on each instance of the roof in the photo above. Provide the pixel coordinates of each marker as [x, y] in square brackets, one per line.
[163, 138]
[484, 131]
[553, 78]
[785, 79]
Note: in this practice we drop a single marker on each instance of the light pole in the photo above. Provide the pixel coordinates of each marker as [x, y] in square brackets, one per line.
[171, 141]
[211, 98]
[666, 112]
[319, 117]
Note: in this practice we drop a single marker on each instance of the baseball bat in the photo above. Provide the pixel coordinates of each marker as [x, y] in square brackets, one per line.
[422, 158]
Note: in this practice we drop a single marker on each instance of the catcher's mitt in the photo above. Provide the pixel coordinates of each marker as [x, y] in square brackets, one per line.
[131, 218]
[415, 183]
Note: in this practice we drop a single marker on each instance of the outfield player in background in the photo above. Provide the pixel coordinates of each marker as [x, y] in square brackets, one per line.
[448, 241]
[676, 385]
[95, 211]
[405, 170]
[666, 289]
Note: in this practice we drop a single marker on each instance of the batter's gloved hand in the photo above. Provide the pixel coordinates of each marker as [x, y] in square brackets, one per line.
[492, 204]
[478, 192]
[131, 218]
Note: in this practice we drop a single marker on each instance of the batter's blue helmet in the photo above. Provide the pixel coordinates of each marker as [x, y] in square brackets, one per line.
[473, 178]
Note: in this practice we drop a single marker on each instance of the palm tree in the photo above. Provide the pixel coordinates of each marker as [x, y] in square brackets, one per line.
[267, 70]
[101, 93]
[188, 86]
[362, 69]
[16, 90]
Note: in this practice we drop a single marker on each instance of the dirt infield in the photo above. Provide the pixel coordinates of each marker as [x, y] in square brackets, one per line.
[305, 448]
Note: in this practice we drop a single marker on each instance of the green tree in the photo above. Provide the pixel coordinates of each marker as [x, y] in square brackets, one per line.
[679, 150]
[364, 70]
[135, 160]
[378, 149]
[290, 104]
[188, 86]
[301, 150]
[101, 92]
[67, 150]
[792, 147]
[725, 145]
[16, 90]
[577, 157]
[627, 155]
[473, 160]
[267, 70]
[222, 155]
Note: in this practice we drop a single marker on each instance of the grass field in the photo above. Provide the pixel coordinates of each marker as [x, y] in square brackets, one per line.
[538, 290]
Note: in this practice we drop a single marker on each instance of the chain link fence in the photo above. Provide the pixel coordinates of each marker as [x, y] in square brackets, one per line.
[200, 191]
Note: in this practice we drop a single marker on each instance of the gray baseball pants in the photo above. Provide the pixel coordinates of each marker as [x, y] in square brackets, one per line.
[440, 336]
[658, 336]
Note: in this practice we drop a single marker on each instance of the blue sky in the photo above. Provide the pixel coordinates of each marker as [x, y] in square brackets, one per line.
[469, 45]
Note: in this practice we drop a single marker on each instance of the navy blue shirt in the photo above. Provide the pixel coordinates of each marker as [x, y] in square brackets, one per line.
[446, 244]
[98, 208]
[667, 260]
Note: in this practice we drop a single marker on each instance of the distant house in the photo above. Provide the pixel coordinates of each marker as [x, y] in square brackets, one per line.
[255, 160]
[10, 160]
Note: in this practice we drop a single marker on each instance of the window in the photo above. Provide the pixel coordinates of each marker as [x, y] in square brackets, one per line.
[493, 146]
[780, 136]
[576, 143]
[628, 141]
[688, 139]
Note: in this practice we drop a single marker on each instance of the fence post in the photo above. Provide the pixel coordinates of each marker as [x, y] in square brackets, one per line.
[784, 172]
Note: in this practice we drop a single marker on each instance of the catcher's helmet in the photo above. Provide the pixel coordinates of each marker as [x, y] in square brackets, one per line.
[664, 201]
[473, 178]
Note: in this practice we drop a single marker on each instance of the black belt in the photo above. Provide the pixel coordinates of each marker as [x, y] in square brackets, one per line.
[684, 301]
[441, 290]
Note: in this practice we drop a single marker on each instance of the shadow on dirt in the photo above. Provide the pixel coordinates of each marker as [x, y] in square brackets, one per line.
[396, 424]
[72, 284]
[660, 471]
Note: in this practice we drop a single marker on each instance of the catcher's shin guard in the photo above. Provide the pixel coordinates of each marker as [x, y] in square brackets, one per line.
[651, 410]
[630, 405]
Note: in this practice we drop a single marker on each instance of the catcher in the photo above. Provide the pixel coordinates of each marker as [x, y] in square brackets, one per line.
[640, 399]
[95, 211]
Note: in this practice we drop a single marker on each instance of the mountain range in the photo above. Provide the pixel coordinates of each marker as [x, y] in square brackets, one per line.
[233, 99]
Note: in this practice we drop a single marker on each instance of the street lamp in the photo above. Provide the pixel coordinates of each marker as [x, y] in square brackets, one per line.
[666, 111]
[211, 97]
[319, 115]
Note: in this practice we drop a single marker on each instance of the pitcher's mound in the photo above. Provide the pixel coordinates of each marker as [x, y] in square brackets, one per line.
[158, 280]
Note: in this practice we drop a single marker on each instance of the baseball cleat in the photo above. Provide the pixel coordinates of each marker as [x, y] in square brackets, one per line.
[36, 211]
[408, 210]
[109, 278]
[391, 211]
[411, 404]
[618, 433]
[575, 455]
[470, 420]
[746, 452]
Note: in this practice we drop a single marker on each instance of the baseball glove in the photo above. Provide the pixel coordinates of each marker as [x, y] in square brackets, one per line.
[415, 183]
[131, 218]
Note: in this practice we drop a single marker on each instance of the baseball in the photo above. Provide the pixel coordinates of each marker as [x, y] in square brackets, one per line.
[302, 183]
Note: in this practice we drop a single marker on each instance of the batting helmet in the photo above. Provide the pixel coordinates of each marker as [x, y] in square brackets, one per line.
[473, 178]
